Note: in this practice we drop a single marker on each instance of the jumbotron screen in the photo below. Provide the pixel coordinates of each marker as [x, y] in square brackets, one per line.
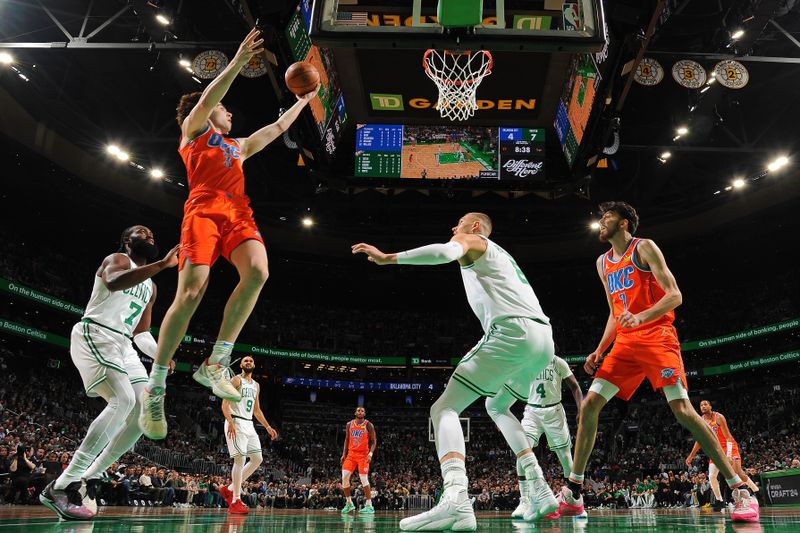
[448, 152]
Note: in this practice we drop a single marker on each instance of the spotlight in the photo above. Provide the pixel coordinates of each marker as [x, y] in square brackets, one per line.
[189, 70]
[6, 58]
[122, 156]
[676, 137]
[704, 89]
[157, 173]
[112, 149]
[666, 155]
[162, 19]
[595, 225]
[184, 62]
[738, 183]
[737, 34]
[308, 222]
[683, 130]
[778, 163]
[712, 79]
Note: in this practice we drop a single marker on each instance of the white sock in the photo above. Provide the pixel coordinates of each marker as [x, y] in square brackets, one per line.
[158, 377]
[454, 472]
[221, 353]
[122, 441]
[531, 466]
[117, 391]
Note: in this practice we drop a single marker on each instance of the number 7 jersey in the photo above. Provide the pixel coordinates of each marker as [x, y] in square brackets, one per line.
[118, 311]
[632, 288]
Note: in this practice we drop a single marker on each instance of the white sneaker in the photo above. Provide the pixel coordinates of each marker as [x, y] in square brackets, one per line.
[543, 502]
[522, 508]
[214, 376]
[447, 514]
[152, 420]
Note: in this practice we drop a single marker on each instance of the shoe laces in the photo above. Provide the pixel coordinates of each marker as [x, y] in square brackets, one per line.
[155, 406]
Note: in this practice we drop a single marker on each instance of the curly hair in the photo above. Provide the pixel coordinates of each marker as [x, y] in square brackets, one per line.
[185, 105]
[624, 210]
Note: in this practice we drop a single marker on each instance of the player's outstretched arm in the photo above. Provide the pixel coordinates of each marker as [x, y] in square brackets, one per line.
[118, 275]
[213, 94]
[652, 257]
[432, 254]
[259, 414]
[261, 138]
[728, 435]
[695, 449]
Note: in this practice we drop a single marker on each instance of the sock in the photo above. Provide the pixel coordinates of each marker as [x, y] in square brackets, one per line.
[734, 482]
[158, 377]
[574, 483]
[752, 485]
[349, 500]
[565, 458]
[221, 353]
[369, 501]
[454, 472]
[531, 466]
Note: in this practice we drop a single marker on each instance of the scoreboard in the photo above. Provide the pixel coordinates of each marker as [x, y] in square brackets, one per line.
[378, 150]
[521, 153]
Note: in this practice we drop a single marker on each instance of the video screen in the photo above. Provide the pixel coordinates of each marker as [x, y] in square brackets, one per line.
[448, 152]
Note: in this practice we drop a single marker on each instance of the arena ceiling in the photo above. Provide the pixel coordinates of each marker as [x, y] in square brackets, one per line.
[113, 77]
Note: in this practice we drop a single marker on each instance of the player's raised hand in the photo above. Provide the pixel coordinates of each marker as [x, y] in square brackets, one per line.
[272, 433]
[373, 254]
[171, 259]
[628, 320]
[249, 47]
[689, 461]
[592, 363]
[310, 95]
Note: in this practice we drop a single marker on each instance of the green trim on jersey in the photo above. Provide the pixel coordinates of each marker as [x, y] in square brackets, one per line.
[134, 381]
[469, 384]
[514, 393]
[241, 417]
[96, 353]
[96, 383]
[90, 321]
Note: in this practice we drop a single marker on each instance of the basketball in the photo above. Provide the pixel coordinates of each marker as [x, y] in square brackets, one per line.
[301, 78]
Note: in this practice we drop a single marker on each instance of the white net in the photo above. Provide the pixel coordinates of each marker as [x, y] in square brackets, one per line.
[457, 76]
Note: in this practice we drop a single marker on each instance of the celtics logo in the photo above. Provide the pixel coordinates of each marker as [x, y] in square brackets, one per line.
[649, 72]
[731, 74]
[689, 74]
[209, 64]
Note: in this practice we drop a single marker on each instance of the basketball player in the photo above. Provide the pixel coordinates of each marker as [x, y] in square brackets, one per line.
[439, 155]
[217, 221]
[517, 345]
[719, 426]
[359, 446]
[642, 294]
[118, 313]
[243, 443]
[544, 414]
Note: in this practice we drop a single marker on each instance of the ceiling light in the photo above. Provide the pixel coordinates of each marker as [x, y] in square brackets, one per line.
[780, 162]
[595, 225]
[676, 137]
[184, 62]
[157, 173]
[738, 183]
[683, 130]
[713, 78]
[728, 188]
[308, 222]
[122, 156]
[189, 70]
[704, 89]
[6, 58]
[112, 149]
[737, 34]
[666, 155]
[162, 19]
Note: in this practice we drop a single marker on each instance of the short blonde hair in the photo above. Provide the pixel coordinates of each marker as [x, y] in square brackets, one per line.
[485, 220]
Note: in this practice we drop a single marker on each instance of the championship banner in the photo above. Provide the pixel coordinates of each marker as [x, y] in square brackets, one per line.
[649, 72]
[783, 486]
[731, 74]
[689, 74]
[42, 298]
[33, 333]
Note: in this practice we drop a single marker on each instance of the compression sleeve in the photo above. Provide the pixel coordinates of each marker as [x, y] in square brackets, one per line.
[432, 254]
[146, 343]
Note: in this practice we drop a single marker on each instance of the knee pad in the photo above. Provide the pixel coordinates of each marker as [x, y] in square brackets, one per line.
[364, 479]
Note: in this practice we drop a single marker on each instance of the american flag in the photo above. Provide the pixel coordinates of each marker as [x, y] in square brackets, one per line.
[351, 18]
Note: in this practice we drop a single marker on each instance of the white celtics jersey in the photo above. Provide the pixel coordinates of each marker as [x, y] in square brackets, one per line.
[546, 388]
[243, 409]
[497, 288]
[118, 311]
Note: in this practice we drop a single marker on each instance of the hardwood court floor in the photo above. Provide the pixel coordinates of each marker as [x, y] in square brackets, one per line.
[36, 519]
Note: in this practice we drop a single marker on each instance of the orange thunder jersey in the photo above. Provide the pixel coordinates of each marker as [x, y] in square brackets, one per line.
[213, 162]
[358, 439]
[716, 428]
[633, 288]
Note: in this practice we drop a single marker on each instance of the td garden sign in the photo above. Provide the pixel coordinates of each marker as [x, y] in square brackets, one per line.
[396, 102]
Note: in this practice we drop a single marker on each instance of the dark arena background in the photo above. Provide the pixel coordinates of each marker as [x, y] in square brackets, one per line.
[685, 109]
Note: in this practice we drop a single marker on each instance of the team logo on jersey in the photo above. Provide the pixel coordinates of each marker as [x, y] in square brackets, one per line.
[231, 151]
[620, 279]
[667, 373]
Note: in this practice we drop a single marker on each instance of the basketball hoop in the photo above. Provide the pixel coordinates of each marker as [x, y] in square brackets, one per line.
[457, 75]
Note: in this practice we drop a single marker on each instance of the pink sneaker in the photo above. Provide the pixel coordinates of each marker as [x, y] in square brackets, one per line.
[744, 510]
[568, 506]
[226, 494]
[552, 516]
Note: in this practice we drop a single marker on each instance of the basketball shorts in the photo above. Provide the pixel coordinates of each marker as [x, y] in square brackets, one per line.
[95, 351]
[356, 463]
[735, 453]
[246, 441]
[510, 356]
[653, 353]
[550, 421]
[214, 224]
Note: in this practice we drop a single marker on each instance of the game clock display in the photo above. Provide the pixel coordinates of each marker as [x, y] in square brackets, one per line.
[447, 152]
